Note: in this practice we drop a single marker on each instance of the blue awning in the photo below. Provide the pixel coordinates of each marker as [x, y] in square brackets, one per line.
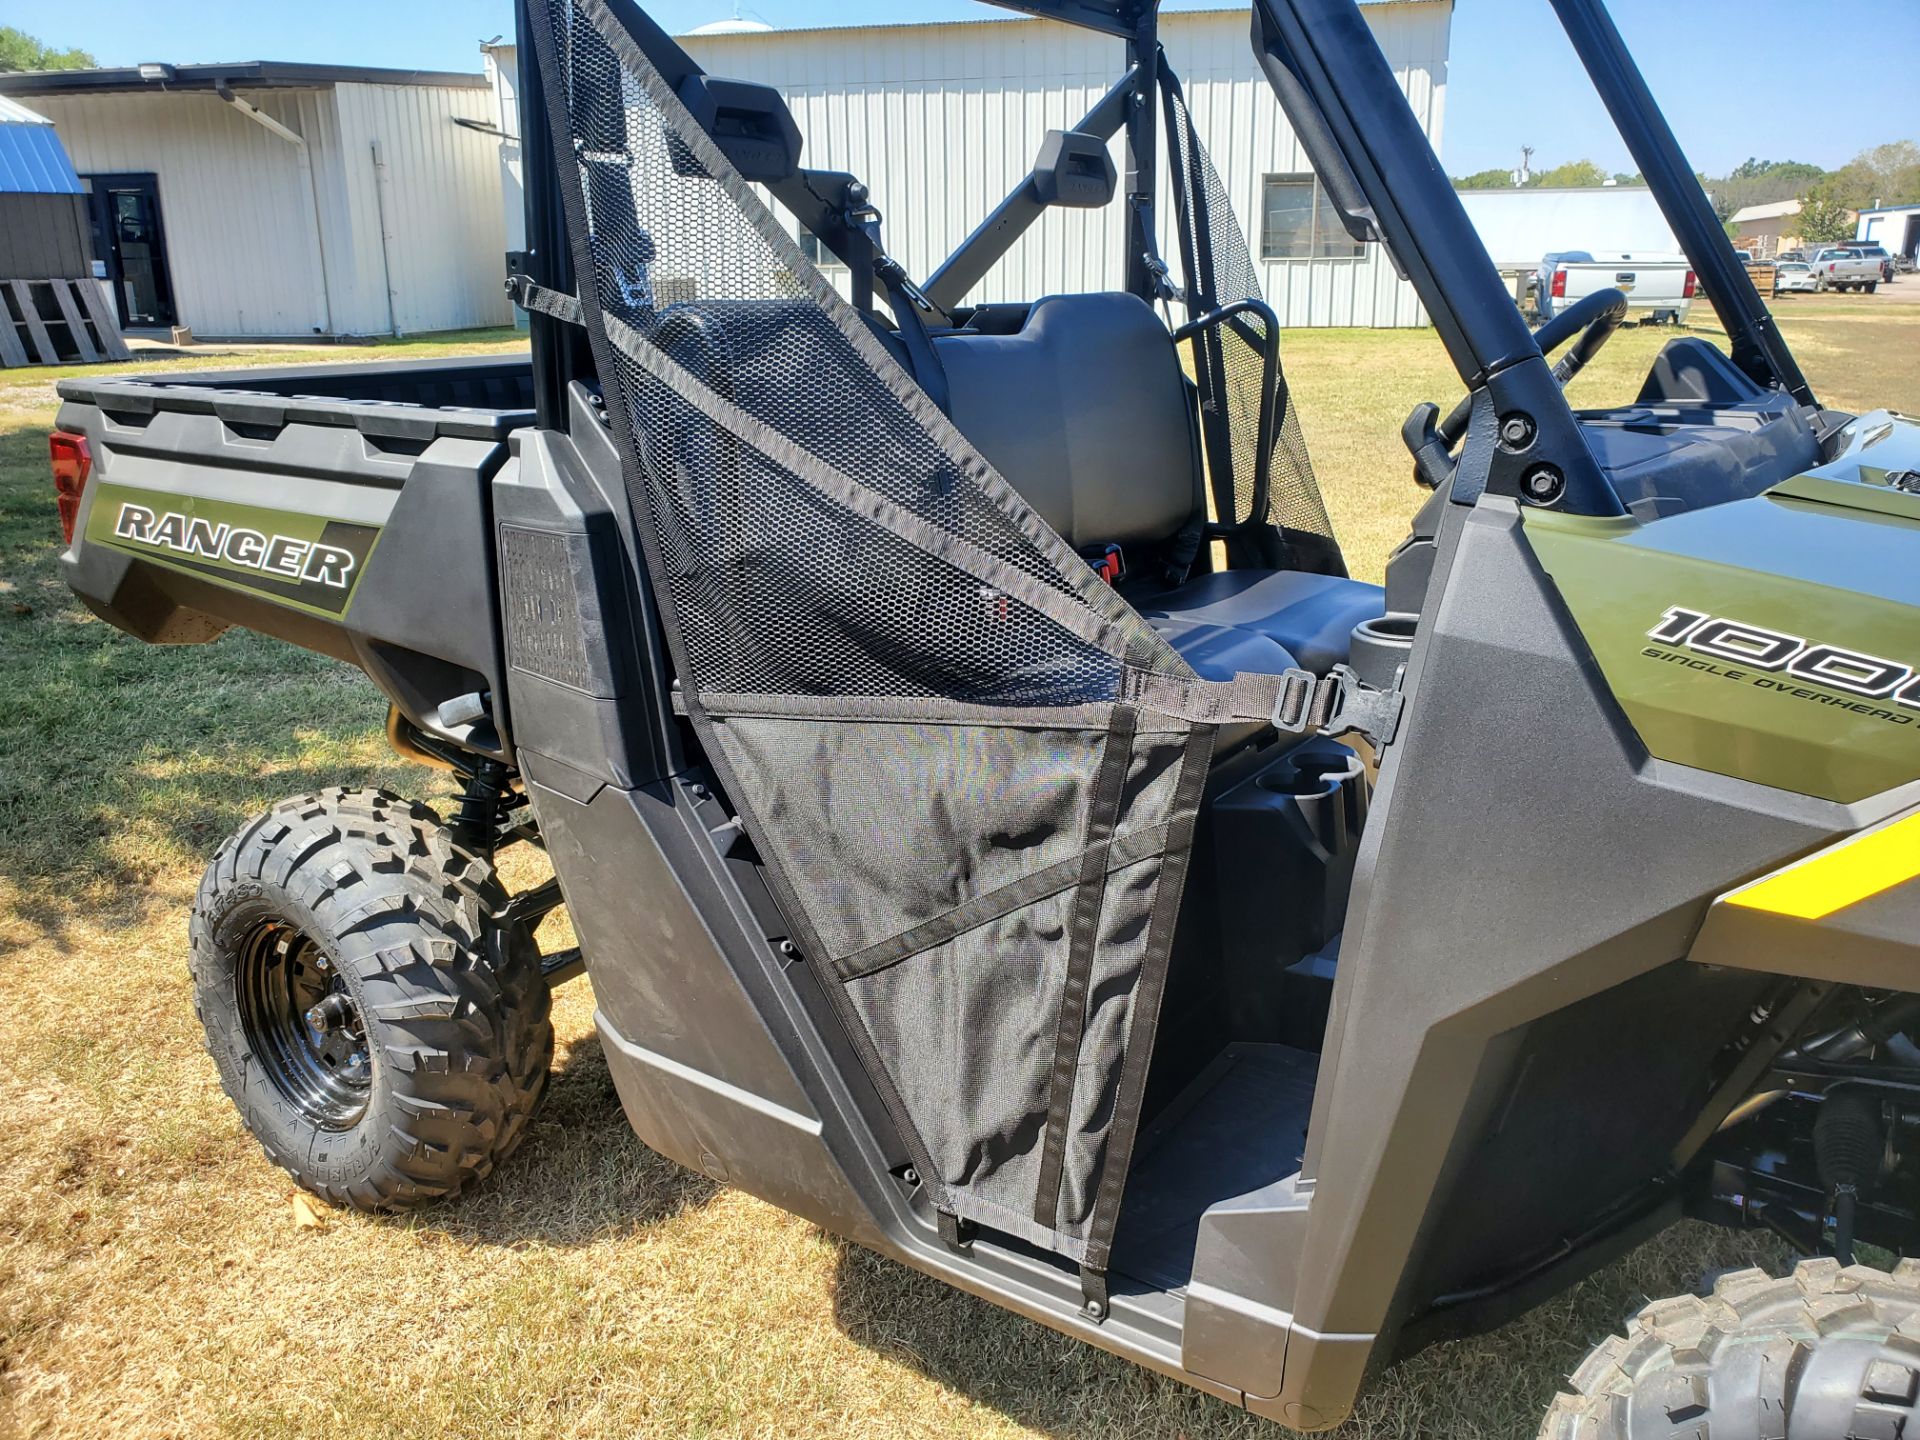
[32, 159]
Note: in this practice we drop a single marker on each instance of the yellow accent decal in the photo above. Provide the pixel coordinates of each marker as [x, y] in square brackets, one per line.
[1870, 862]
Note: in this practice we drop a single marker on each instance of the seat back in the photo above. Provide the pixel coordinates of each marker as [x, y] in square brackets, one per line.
[1085, 411]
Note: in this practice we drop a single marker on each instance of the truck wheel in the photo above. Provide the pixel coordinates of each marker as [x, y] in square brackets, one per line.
[1871, 286]
[385, 1037]
[1826, 1352]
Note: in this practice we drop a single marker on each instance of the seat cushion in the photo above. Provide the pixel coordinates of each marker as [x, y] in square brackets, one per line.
[1310, 616]
[1219, 652]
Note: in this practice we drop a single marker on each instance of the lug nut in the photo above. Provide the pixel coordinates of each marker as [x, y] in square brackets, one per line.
[1542, 485]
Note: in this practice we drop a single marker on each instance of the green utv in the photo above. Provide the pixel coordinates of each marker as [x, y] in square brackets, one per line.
[996, 827]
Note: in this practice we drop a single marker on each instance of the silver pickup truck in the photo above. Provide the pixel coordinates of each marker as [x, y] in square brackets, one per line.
[1835, 268]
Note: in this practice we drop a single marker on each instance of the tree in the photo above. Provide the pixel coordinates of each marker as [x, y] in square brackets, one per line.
[1762, 182]
[1824, 222]
[21, 51]
[1574, 175]
[1485, 180]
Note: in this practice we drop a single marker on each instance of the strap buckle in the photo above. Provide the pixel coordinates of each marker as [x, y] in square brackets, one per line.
[1338, 703]
[1109, 562]
[892, 274]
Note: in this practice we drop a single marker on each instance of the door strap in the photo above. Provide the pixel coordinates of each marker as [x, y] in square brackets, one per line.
[557, 303]
[1297, 702]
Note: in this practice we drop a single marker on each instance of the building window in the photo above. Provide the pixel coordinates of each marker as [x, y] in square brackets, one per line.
[1298, 222]
[822, 258]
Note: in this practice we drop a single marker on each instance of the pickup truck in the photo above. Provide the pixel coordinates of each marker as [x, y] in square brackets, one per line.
[1876, 253]
[1657, 287]
[1840, 268]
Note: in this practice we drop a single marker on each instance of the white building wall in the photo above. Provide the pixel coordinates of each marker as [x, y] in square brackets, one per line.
[502, 75]
[942, 120]
[237, 208]
[1519, 227]
[1894, 228]
[424, 197]
[268, 238]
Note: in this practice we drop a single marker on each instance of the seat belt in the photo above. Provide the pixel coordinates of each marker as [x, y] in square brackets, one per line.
[909, 307]
[1295, 703]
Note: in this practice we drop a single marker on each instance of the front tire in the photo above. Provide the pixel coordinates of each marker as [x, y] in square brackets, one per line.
[1826, 1353]
[383, 1035]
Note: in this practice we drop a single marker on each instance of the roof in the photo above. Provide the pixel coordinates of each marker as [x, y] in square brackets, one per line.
[1778, 210]
[1888, 209]
[252, 74]
[32, 160]
[731, 27]
[1551, 190]
[703, 33]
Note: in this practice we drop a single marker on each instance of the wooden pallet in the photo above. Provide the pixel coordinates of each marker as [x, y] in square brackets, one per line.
[56, 322]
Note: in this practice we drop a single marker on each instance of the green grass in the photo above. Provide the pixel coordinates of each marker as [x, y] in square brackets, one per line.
[152, 1279]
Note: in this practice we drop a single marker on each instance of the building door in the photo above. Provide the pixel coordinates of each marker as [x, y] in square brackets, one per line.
[129, 238]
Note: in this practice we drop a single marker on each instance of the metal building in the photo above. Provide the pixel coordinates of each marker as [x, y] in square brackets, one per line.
[281, 200]
[43, 224]
[1518, 227]
[1897, 227]
[942, 119]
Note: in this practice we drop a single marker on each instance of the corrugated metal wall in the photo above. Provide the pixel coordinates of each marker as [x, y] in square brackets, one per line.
[236, 207]
[424, 195]
[942, 120]
[265, 239]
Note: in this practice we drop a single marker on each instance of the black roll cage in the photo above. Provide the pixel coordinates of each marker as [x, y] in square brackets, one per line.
[1371, 155]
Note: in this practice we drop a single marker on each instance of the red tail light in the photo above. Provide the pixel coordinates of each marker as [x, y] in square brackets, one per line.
[72, 463]
[1559, 284]
[1686, 290]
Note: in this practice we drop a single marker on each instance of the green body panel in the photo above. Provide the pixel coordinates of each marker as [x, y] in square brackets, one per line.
[306, 562]
[1830, 560]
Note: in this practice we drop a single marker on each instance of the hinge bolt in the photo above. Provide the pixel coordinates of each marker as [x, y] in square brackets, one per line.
[1542, 485]
[1517, 431]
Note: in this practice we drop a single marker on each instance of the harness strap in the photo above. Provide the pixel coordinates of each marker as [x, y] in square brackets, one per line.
[1295, 703]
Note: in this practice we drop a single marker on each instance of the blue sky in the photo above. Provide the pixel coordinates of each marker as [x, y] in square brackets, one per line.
[1513, 79]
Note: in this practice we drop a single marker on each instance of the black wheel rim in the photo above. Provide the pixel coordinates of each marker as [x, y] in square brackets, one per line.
[303, 1024]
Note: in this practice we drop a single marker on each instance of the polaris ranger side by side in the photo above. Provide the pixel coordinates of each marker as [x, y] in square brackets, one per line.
[996, 826]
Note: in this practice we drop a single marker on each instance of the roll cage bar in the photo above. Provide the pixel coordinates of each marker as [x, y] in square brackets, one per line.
[1370, 153]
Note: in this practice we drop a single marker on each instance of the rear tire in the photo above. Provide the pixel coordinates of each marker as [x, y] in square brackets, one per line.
[385, 1038]
[1826, 1353]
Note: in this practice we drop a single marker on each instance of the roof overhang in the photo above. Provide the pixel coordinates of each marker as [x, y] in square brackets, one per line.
[250, 74]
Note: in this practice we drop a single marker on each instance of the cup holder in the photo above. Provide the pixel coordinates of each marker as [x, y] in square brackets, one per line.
[1381, 646]
[1310, 773]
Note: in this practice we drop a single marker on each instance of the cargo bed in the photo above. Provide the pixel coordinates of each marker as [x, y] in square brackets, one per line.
[345, 508]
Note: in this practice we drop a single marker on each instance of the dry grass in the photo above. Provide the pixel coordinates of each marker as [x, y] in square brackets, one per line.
[152, 1278]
